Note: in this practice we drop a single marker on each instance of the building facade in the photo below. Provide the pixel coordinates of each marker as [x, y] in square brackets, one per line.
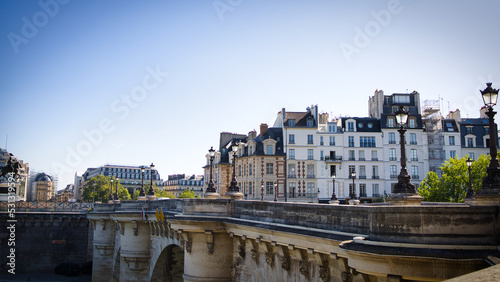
[178, 183]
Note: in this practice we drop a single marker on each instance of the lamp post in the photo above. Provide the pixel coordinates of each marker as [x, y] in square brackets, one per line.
[234, 191]
[275, 191]
[117, 198]
[404, 191]
[93, 194]
[262, 191]
[470, 192]
[142, 194]
[491, 183]
[211, 193]
[110, 200]
[151, 192]
[353, 195]
[334, 197]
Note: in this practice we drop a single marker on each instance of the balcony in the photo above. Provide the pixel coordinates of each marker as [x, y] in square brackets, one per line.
[394, 176]
[352, 158]
[376, 195]
[415, 177]
[392, 141]
[413, 142]
[375, 177]
[361, 159]
[362, 195]
[292, 176]
[362, 177]
[393, 159]
[310, 176]
[333, 158]
[375, 159]
[414, 159]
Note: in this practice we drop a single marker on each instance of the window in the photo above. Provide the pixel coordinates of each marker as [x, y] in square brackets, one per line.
[269, 188]
[362, 190]
[390, 122]
[269, 149]
[291, 122]
[245, 170]
[239, 170]
[310, 154]
[309, 122]
[468, 130]
[310, 189]
[375, 190]
[291, 139]
[291, 171]
[451, 140]
[269, 168]
[351, 155]
[392, 154]
[350, 189]
[332, 128]
[293, 187]
[310, 171]
[413, 155]
[470, 142]
[374, 156]
[350, 126]
[250, 149]
[413, 139]
[411, 123]
[402, 99]
[361, 155]
[250, 169]
[291, 154]
[351, 170]
[250, 188]
[414, 172]
[453, 154]
[351, 141]
[362, 172]
[321, 155]
[392, 138]
[375, 172]
[321, 140]
[310, 139]
[471, 156]
[486, 130]
[367, 141]
[394, 171]
[332, 140]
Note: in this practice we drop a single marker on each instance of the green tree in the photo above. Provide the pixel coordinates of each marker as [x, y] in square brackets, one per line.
[159, 193]
[187, 194]
[102, 189]
[452, 186]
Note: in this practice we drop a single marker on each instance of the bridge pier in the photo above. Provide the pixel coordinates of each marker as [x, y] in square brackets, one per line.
[104, 244]
[211, 257]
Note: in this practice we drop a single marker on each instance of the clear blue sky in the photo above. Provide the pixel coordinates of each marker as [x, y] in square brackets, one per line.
[159, 80]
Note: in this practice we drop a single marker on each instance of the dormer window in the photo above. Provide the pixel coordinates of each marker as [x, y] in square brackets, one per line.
[309, 122]
[291, 122]
[269, 150]
[350, 126]
[390, 122]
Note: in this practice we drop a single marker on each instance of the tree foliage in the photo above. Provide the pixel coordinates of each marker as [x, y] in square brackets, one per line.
[452, 186]
[102, 189]
[159, 193]
[186, 194]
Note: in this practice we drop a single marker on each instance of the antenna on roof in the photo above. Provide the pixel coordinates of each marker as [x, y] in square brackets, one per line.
[6, 140]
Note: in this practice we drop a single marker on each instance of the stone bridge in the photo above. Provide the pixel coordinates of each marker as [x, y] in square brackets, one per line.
[236, 240]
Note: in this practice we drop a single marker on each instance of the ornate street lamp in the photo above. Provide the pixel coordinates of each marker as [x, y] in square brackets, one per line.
[142, 193]
[93, 194]
[334, 197]
[470, 192]
[234, 190]
[211, 192]
[491, 183]
[151, 192]
[275, 191]
[110, 200]
[117, 199]
[353, 195]
[262, 191]
[403, 186]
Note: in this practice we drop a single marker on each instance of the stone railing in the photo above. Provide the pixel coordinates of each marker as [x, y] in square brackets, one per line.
[429, 223]
[46, 207]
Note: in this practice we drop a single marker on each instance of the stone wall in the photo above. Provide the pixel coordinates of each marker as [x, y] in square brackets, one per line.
[44, 240]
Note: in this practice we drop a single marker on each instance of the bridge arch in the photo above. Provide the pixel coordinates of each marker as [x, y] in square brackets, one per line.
[170, 264]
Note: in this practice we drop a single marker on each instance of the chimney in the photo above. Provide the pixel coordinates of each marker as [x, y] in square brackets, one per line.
[263, 129]
[251, 135]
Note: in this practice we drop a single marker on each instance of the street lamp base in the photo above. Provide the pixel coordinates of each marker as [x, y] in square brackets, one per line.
[405, 199]
[212, 195]
[142, 198]
[116, 201]
[353, 202]
[334, 202]
[151, 197]
[111, 202]
[235, 195]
